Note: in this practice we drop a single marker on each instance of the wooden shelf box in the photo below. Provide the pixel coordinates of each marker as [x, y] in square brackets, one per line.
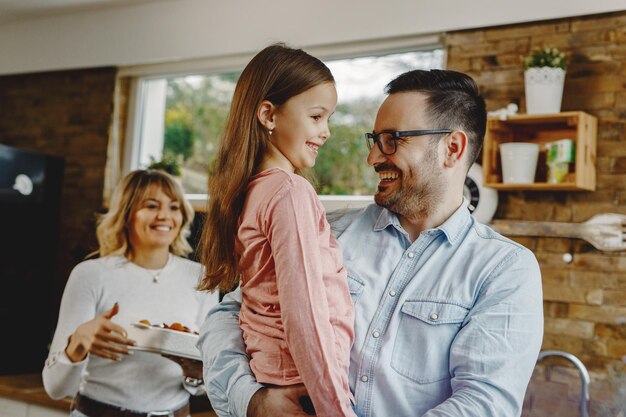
[579, 126]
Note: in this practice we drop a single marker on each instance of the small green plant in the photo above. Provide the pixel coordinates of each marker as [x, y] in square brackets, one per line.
[545, 57]
[169, 163]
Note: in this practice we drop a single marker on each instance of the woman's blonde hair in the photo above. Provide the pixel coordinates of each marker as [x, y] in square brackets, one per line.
[276, 74]
[113, 227]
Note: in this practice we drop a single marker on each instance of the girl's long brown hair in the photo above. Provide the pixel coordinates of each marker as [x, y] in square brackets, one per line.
[276, 74]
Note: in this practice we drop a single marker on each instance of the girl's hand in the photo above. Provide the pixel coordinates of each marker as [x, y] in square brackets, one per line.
[100, 337]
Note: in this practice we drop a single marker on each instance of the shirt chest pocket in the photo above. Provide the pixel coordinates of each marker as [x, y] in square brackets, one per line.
[426, 330]
[356, 287]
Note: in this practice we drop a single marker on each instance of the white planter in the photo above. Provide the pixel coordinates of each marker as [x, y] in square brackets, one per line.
[519, 162]
[544, 89]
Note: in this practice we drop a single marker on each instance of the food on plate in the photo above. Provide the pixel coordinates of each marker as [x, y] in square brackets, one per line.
[174, 326]
[173, 339]
[179, 327]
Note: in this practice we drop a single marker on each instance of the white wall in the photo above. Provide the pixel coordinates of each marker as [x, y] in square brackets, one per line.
[164, 31]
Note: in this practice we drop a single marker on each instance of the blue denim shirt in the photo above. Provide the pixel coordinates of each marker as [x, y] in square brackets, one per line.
[448, 325]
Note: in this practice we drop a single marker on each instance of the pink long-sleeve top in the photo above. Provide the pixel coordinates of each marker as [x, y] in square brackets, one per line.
[297, 316]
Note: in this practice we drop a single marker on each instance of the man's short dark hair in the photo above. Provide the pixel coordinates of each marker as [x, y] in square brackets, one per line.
[453, 102]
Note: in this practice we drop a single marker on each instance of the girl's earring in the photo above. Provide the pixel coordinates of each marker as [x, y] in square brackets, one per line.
[271, 131]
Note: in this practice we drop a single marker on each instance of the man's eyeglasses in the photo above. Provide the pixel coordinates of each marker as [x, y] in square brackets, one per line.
[387, 140]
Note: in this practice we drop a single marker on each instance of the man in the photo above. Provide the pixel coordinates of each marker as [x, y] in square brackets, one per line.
[449, 315]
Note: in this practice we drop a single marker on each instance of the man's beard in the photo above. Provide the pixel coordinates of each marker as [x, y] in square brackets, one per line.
[420, 191]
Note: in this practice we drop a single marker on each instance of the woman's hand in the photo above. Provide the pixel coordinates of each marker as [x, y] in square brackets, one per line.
[191, 367]
[99, 336]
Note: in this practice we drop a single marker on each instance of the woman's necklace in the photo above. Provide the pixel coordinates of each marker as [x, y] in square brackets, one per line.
[155, 273]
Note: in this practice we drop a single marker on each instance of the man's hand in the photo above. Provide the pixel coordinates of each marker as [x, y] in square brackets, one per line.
[277, 402]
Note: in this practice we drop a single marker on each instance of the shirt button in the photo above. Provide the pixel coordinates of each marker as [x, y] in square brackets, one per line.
[364, 378]
[392, 293]
[52, 359]
[376, 334]
[411, 255]
[434, 316]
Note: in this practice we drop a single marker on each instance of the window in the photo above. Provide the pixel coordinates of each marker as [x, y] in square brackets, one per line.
[182, 117]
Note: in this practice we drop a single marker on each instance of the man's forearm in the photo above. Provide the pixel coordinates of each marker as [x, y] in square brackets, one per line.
[229, 381]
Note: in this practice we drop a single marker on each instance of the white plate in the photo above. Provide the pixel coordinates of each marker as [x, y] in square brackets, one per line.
[166, 341]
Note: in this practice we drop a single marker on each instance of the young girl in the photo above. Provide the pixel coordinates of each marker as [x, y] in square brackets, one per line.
[267, 231]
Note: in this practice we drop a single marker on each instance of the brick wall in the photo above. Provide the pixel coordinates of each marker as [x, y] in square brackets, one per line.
[68, 114]
[585, 300]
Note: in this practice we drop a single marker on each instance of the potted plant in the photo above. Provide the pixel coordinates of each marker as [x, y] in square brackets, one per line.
[169, 163]
[544, 77]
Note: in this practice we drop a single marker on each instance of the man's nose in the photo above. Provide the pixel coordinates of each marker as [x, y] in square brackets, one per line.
[375, 156]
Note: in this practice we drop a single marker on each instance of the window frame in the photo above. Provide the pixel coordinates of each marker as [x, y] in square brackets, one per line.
[138, 74]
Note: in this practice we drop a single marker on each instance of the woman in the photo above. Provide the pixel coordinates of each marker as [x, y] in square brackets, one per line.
[140, 275]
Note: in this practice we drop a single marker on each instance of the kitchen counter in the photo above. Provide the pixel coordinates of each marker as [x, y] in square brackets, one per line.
[29, 389]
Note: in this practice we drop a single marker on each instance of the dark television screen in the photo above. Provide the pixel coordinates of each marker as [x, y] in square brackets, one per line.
[30, 201]
[22, 175]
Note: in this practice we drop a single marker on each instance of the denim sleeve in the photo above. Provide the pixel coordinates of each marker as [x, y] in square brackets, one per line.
[494, 354]
[229, 381]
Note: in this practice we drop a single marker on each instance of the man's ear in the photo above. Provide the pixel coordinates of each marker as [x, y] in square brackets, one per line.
[456, 144]
[265, 114]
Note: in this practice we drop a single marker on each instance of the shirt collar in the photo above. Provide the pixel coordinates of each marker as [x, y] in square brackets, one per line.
[457, 224]
[452, 228]
[385, 219]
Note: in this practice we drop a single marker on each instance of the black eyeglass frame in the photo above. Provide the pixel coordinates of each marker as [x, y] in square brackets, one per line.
[397, 134]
